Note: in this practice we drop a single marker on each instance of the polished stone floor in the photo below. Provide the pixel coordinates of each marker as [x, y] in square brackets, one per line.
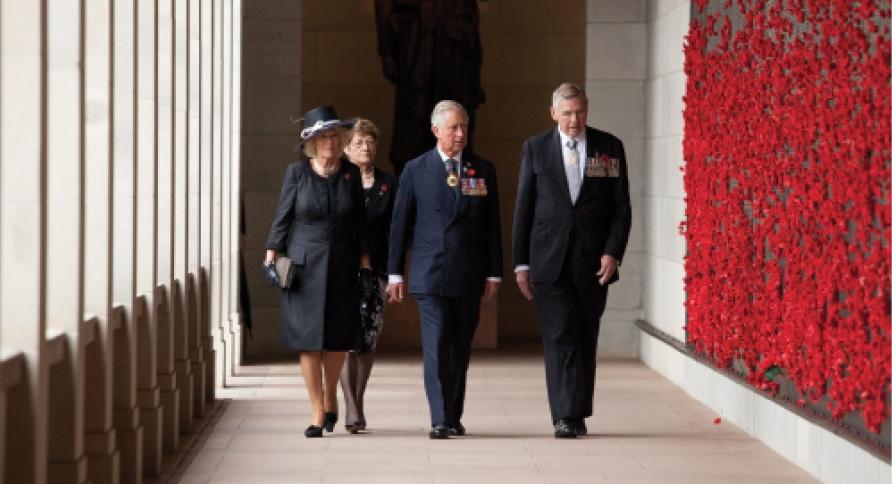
[644, 429]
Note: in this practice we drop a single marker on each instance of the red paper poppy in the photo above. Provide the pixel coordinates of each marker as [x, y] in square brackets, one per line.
[471, 172]
[383, 188]
[788, 218]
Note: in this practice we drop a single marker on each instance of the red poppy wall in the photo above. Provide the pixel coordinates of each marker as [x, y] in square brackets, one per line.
[787, 175]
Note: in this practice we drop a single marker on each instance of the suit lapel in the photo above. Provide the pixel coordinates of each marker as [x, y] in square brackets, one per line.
[556, 163]
[462, 201]
[436, 181]
[590, 150]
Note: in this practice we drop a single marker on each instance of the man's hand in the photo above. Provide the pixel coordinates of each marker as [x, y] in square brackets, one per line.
[523, 283]
[395, 292]
[608, 267]
[490, 289]
[365, 261]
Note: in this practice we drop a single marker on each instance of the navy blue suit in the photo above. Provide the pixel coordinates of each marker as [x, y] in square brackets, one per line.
[455, 242]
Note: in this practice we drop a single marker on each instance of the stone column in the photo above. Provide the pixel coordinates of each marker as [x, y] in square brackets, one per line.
[615, 74]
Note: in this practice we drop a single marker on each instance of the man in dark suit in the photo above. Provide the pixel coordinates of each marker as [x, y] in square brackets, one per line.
[571, 226]
[447, 209]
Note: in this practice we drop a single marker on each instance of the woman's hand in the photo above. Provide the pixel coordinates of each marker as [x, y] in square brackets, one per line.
[269, 269]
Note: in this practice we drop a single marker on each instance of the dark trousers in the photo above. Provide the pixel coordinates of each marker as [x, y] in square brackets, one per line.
[569, 320]
[447, 327]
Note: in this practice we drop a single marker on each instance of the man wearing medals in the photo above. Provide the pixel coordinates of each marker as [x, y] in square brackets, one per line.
[447, 214]
[571, 226]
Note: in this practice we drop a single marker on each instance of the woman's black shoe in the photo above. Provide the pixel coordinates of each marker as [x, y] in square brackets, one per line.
[331, 419]
[355, 428]
[313, 431]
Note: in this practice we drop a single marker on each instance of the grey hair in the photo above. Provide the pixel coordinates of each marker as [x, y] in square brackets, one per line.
[566, 91]
[444, 106]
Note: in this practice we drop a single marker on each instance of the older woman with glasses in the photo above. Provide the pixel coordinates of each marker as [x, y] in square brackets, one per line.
[379, 188]
[318, 226]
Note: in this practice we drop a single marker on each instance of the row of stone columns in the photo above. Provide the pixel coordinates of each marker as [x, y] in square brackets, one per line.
[118, 231]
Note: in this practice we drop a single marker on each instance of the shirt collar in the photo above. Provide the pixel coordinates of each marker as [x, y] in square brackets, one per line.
[443, 156]
[580, 140]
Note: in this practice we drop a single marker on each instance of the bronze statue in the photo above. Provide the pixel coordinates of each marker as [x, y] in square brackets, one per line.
[430, 50]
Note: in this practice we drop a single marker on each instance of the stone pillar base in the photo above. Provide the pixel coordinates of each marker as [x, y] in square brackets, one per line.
[170, 400]
[68, 471]
[209, 376]
[103, 458]
[186, 386]
[198, 372]
[151, 417]
[130, 443]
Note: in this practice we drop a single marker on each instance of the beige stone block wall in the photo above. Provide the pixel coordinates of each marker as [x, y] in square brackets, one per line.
[325, 52]
[528, 48]
[271, 92]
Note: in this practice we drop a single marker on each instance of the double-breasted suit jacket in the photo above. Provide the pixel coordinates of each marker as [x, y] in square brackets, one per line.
[550, 230]
[318, 224]
[455, 239]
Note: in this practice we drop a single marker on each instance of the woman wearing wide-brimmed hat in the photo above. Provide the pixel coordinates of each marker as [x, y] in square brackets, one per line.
[318, 225]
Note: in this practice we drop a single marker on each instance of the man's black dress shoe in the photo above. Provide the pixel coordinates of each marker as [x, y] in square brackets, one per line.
[331, 419]
[581, 429]
[565, 428]
[313, 431]
[439, 431]
[456, 429]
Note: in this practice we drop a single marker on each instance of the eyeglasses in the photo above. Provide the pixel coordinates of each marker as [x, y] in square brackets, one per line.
[371, 143]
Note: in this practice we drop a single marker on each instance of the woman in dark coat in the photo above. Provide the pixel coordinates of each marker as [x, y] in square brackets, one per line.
[317, 224]
[380, 189]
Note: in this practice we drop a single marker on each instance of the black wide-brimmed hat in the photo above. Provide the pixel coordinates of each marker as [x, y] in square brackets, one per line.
[321, 119]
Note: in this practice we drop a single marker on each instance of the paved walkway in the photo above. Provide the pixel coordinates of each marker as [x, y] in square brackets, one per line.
[644, 430]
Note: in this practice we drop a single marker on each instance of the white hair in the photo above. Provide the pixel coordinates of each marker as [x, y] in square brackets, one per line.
[443, 107]
[566, 91]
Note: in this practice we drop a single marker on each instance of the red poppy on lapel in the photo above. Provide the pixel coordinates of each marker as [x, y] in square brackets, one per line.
[346, 176]
[383, 188]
